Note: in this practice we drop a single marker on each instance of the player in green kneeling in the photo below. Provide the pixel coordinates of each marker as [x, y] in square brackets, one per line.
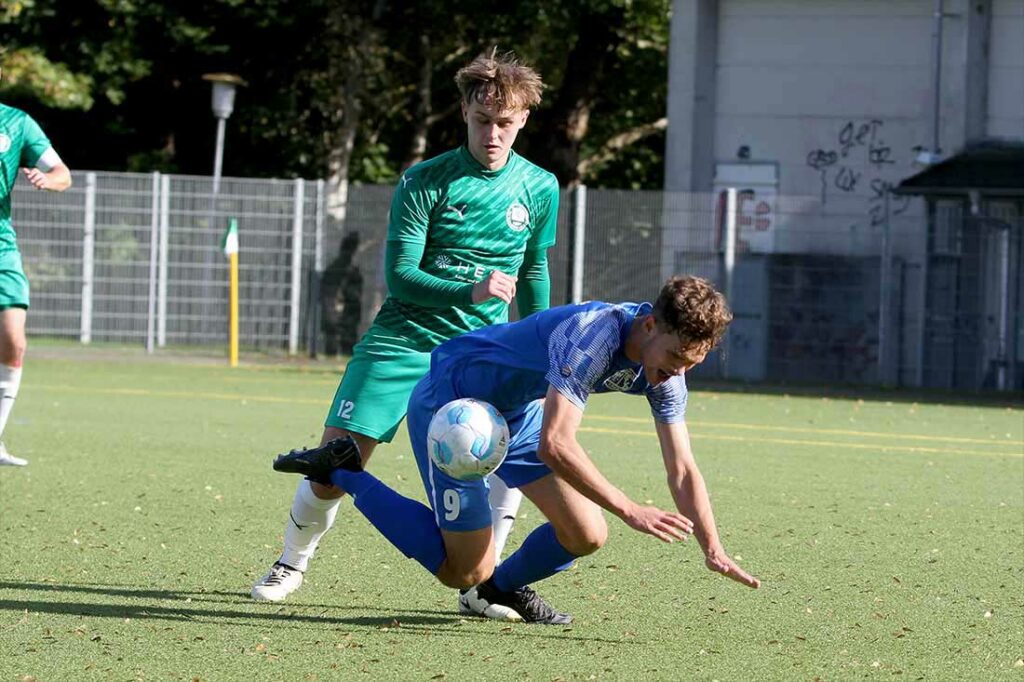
[22, 144]
[468, 232]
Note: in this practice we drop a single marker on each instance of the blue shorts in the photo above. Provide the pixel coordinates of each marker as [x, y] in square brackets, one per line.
[463, 505]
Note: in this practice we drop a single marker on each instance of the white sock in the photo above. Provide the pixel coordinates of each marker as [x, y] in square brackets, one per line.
[310, 517]
[10, 380]
[505, 503]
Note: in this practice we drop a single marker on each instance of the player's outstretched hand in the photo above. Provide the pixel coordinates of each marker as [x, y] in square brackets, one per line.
[36, 177]
[495, 285]
[723, 563]
[664, 525]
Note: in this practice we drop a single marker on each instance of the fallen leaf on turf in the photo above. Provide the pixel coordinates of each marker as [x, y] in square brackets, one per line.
[261, 647]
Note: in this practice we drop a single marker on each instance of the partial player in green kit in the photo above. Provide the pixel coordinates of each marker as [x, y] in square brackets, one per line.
[22, 145]
[468, 232]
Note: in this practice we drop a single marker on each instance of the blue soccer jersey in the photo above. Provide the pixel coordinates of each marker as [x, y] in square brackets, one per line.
[577, 349]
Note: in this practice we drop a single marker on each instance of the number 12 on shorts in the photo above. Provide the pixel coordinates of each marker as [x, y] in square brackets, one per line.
[452, 504]
[345, 408]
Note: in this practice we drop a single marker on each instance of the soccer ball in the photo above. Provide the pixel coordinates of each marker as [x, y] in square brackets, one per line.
[467, 439]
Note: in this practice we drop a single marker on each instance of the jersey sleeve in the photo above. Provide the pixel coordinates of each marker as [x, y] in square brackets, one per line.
[34, 142]
[533, 290]
[668, 400]
[408, 225]
[580, 350]
[546, 228]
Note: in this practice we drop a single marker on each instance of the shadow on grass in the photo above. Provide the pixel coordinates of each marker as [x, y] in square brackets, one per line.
[221, 596]
[409, 621]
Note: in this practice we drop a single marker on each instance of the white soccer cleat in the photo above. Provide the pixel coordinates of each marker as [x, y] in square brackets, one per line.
[278, 583]
[9, 460]
[471, 604]
[524, 604]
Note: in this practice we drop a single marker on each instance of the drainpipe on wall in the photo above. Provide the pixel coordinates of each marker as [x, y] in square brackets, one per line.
[936, 79]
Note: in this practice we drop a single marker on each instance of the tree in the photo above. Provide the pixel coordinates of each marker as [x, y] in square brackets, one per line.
[343, 89]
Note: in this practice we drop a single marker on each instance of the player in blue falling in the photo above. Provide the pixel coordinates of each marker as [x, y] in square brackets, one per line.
[561, 355]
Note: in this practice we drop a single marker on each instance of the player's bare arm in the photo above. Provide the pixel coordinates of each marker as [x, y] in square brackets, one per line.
[691, 496]
[57, 179]
[560, 450]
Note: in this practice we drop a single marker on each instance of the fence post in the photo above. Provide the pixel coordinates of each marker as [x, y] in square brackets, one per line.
[313, 294]
[579, 232]
[728, 265]
[885, 293]
[88, 257]
[922, 304]
[1005, 275]
[296, 291]
[318, 243]
[154, 236]
[165, 228]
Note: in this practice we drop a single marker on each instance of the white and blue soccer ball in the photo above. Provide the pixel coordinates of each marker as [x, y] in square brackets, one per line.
[467, 439]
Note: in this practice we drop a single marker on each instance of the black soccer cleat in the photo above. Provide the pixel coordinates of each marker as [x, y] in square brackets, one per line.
[487, 601]
[316, 464]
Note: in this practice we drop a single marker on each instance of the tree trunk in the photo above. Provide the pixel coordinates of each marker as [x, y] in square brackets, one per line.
[565, 124]
[422, 118]
[351, 36]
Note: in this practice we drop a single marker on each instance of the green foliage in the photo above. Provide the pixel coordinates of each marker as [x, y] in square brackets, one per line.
[12, 9]
[132, 69]
[28, 73]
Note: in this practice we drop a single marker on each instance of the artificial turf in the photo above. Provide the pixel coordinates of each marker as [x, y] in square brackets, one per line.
[888, 532]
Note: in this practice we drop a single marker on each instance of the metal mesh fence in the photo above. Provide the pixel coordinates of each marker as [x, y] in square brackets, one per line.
[822, 291]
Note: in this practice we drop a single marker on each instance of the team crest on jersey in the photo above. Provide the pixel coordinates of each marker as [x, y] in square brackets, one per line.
[517, 217]
[621, 380]
[442, 261]
[5, 143]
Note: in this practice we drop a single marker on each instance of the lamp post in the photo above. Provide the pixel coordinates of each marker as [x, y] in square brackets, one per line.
[223, 103]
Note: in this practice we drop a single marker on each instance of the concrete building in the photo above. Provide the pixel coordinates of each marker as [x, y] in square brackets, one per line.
[815, 109]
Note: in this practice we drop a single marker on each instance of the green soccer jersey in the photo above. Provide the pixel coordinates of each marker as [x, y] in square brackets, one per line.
[22, 142]
[463, 221]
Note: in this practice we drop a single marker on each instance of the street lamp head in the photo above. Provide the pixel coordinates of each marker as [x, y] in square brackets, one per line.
[224, 85]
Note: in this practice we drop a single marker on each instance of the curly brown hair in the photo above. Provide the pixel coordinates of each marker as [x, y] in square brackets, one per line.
[693, 309]
[499, 80]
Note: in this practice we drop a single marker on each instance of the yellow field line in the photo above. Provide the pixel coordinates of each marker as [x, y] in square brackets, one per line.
[826, 444]
[185, 394]
[836, 432]
[592, 429]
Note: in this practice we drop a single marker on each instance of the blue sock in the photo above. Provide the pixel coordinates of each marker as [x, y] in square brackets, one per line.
[407, 524]
[540, 556]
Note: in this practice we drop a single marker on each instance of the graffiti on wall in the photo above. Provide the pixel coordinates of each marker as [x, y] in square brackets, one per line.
[857, 164]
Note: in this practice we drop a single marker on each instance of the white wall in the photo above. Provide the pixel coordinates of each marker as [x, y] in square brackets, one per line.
[838, 93]
[1006, 70]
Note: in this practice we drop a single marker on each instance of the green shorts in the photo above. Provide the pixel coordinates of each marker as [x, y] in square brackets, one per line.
[374, 392]
[13, 283]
